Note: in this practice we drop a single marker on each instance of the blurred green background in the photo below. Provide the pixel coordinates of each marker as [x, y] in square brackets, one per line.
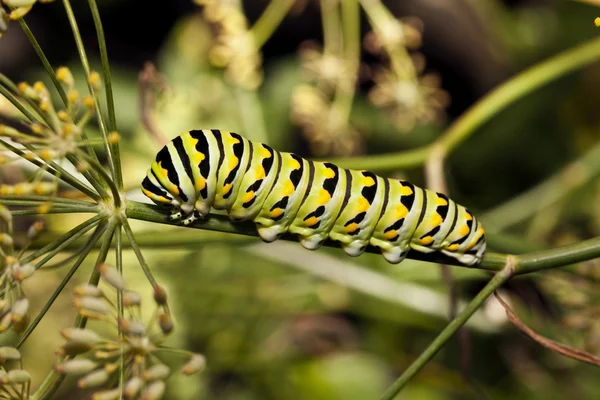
[278, 322]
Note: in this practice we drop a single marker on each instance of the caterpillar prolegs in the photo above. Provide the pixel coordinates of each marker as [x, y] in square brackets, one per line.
[282, 192]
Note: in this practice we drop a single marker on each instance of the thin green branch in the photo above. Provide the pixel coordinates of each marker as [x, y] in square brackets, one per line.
[55, 170]
[486, 108]
[549, 192]
[110, 102]
[498, 280]
[45, 199]
[116, 195]
[269, 20]
[91, 176]
[119, 266]
[138, 252]
[38, 49]
[82, 256]
[86, 67]
[56, 210]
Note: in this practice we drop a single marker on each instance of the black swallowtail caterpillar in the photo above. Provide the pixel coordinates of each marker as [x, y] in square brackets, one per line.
[283, 192]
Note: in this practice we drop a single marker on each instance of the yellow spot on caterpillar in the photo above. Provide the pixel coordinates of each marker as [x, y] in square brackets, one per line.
[276, 213]
[436, 219]
[226, 188]
[368, 181]
[389, 235]
[363, 204]
[329, 173]
[294, 164]
[441, 201]
[198, 157]
[311, 221]
[233, 162]
[288, 188]
[324, 197]
[468, 216]
[464, 230]
[265, 153]
[200, 184]
[475, 239]
[401, 211]
[406, 191]
[248, 196]
[427, 240]
[352, 227]
[453, 247]
[260, 173]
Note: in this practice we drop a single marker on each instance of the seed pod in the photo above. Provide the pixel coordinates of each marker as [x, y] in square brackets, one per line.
[156, 372]
[20, 325]
[88, 102]
[113, 394]
[88, 290]
[6, 239]
[38, 226]
[133, 387]
[91, 306]
[18, 376]
[5, 322]
[72, 96]
[93, 379]
[78, 366]
[196, 363]
[166, 323]
[22, 272]
[131, 299]
[64, 76]
[131, 327]
[113, 137]
[9, 354]
[5, 214]
[63, 115]
[19, 309]
[111, 276]
[43, 188]
[160, 295]
[153, 391]
[81, 336]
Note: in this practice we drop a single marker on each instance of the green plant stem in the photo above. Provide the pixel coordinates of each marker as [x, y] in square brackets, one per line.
[549, 192]
[86, 67]
[120, 313]
[110, 102]
[44, 199]
[63, 241]
[116, 195]
[498, 280]
[138, 252]
[524, 263]
[269, 20]
[38, 49]
[91, 176]
[82, 256]
[55, 170]
[55, 211]
[485, 109]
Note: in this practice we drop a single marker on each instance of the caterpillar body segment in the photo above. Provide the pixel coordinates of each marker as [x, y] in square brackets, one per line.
[282, 192]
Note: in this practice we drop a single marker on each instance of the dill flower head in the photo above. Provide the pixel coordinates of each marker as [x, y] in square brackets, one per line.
[136, 344]
[327, 70]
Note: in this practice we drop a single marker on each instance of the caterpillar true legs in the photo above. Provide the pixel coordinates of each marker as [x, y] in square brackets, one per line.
[283, 192]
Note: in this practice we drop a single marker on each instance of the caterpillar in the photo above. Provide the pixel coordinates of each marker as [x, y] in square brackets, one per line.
[282, 192]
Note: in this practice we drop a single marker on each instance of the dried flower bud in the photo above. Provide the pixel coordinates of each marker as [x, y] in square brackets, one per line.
[5, 322]
[131, 299]
[64, 76]
[88, 290]
[95, 81]
[93, 379]
[78, 366]
[81, 336]
[9, 354]
[133, 387]
[196, 363]
[112, 394]
[160, 295]
[48, 154]
[88, 102]
[72, 96]
[63, 115]
[153, 391]
[22, 272]
[82, 166]
[18, 376]
[156, 372]
[19, 310]
[166, 323]
[36, 128]
[91, 307]
[130, 327]
[111, 276]
[44, 207]
[35, 229]
[5, 214]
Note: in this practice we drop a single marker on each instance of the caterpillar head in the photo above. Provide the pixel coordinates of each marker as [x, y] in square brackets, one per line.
[161, 195]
